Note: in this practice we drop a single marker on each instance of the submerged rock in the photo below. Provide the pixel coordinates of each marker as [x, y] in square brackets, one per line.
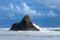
[25, 24]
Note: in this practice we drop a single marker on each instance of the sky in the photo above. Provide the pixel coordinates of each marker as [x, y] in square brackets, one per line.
[45, 13]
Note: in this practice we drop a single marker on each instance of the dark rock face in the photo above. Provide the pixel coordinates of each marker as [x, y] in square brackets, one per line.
[25, 24]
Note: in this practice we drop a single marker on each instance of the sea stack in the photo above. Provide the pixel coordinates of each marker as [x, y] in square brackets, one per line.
[24, 25]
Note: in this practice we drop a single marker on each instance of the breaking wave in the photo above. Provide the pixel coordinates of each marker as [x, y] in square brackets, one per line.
[46, 29]
[40, 29]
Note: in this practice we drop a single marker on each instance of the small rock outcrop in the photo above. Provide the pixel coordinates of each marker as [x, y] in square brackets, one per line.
[25, 25]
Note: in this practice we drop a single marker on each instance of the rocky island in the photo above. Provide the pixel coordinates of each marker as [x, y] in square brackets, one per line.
[24, 25]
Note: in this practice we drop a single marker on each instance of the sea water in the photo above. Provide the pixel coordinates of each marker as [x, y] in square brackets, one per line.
[43, 34]
[29, 35]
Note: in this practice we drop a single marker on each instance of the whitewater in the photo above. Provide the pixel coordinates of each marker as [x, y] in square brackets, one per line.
[43, 34]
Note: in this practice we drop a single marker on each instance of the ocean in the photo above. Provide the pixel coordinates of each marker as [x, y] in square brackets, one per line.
[29, 35]
[43, 34]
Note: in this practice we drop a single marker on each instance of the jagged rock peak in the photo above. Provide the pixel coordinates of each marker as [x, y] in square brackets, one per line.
[26, 19]
[25, 24]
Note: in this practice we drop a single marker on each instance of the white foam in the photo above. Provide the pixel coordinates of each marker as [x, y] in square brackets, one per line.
[41, 29]
[46, 29]
[36, 26]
